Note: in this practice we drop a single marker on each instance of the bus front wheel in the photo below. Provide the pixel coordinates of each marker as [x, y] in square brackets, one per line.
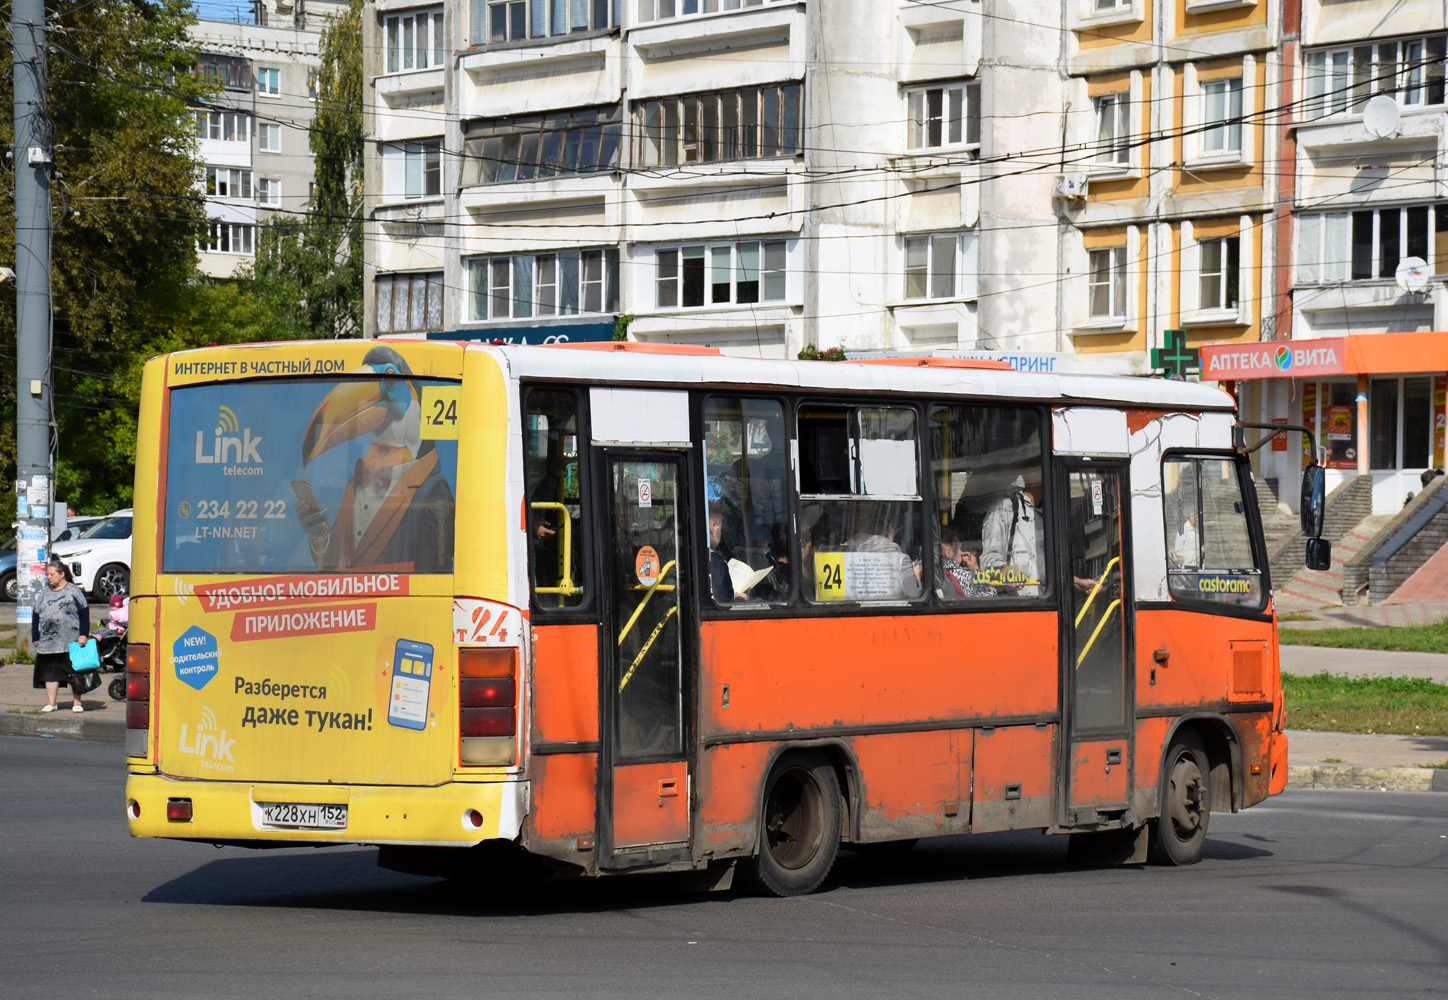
[799, 826]
[1180, 830]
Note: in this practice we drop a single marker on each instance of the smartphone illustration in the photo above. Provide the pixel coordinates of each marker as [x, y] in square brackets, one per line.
[303, 490]
[411, 684]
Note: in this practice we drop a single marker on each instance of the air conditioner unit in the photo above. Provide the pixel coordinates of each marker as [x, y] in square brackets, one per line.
[1069, 187]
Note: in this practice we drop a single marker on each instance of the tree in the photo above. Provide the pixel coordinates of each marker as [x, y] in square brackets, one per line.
[317, 260]
[127, 211]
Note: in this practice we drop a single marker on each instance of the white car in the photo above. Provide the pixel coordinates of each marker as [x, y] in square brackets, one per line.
[100, 559]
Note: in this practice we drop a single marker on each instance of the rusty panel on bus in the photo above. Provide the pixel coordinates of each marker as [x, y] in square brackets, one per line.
[731, 780]
[1209, 659]
[1015, 768]
[794, 674]
[650, 804]
[914, 784]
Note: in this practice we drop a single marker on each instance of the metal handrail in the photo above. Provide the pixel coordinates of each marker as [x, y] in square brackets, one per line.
[566, 587]
[657, 585]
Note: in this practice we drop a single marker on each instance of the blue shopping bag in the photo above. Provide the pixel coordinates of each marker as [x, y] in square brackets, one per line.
[84, 657]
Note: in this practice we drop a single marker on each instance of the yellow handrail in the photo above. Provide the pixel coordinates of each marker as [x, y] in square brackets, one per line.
[1096, 589]
[647, 644]
[1099, 626]
[663, 572]
[566, 587]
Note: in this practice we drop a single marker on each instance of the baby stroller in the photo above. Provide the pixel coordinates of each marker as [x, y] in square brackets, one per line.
[111, 647]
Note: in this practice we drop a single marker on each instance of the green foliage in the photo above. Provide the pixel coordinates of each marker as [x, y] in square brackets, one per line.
[813, 353]
[126, 213]
[620, 326]
[1410, 638]
[1407, 705]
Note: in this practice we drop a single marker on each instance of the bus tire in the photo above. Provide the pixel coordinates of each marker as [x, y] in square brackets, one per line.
[799, 826]
[1179, 831]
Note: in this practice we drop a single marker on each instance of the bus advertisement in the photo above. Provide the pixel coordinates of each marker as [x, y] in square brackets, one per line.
[597, 609]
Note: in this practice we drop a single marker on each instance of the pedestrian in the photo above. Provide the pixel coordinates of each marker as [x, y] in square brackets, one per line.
[59, 617]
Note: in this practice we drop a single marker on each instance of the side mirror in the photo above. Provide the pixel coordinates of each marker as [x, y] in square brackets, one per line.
[1319, 553]
[1314, 500]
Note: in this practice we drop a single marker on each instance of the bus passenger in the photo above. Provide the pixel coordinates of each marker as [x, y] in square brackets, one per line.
[1012, 544]
[721, 585]
[958, 568]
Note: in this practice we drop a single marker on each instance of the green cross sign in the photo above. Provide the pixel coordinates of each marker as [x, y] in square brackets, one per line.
[1176, 359]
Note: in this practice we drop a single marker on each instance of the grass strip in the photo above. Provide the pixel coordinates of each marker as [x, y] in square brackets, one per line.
[1410, 706]
[1401, 639]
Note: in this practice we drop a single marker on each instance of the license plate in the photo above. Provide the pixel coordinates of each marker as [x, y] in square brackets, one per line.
[304, 815]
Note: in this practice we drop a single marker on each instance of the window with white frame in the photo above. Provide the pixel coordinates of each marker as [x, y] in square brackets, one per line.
[720, 274]
[497, 21]
[413, 41]
[409, 302]
[661, 10]
[1366, 244]
[228, 237]
[422, 169]
[941, 266]
[1221, 117]
[1106, 283]
[1113, 129]
[530, 147]
[228, 182]
[752, 123]
[227, 126]
[1410, 70]
[1218, 284]
[1102, 6]
[268, 81]
[942, 116]
[269, 137]
[555, 283]
[268, 191]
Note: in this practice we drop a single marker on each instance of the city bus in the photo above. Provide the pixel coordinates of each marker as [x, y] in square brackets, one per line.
[617, 608]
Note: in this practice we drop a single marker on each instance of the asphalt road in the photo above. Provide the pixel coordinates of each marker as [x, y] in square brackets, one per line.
[1314, 894]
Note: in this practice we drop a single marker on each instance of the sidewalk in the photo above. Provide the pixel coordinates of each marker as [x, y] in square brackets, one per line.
[1315, 759]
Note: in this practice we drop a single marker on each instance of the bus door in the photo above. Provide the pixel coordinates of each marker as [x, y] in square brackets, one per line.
[644, 800]
[1096, 624]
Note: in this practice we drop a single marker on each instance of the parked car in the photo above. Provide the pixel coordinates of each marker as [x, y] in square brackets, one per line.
[9, 584]
[74, 527]
[100, 559]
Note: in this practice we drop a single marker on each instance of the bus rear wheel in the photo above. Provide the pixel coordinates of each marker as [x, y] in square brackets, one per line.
[1180, 830]
[799, 826]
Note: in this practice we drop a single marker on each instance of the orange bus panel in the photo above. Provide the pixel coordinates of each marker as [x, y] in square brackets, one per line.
[1014, 771]
[1098, 779]
[650, 804]
[564, 801]
[914, 784]
[565, 683]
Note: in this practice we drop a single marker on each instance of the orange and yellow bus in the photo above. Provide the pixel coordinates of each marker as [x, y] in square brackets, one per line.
[641, 608]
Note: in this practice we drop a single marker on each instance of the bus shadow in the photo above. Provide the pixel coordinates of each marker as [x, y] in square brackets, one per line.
[349, 879]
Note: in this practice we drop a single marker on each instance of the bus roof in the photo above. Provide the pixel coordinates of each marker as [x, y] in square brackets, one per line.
[560, 363]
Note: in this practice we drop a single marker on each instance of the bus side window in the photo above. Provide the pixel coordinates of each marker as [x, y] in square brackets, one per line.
[986, 463]
[860, 504]
[552, 479]
[745, 468]
[1208, 544]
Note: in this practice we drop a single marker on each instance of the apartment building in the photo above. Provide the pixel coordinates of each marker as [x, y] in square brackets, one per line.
[1360, 355]
[254, 136]
[756, 175]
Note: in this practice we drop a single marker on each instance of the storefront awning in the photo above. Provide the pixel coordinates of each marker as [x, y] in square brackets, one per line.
[1355, 354]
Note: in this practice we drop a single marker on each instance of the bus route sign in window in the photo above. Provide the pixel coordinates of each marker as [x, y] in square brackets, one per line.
[312, 475]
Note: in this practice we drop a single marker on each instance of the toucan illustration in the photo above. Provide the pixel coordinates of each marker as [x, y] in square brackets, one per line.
[397, 509]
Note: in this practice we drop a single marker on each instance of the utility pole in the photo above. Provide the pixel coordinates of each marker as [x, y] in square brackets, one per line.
[32, 164]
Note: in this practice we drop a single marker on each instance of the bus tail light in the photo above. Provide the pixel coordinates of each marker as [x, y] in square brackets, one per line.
[488, 706]
[138, 699]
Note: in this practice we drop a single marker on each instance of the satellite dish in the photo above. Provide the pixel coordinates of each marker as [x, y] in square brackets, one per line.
[1380, 116]
[1412, 274]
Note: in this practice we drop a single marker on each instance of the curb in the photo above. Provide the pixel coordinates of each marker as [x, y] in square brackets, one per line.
[1385, 779]
[58, 725]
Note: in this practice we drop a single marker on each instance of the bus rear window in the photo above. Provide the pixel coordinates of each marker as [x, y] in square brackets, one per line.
[312, 475]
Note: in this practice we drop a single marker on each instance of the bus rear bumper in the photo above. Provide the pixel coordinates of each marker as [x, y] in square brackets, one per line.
[452, 814]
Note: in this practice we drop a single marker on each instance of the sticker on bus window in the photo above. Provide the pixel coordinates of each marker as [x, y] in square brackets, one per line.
[646, 566]
[440, 412]
[829, 576]
[411, 684]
